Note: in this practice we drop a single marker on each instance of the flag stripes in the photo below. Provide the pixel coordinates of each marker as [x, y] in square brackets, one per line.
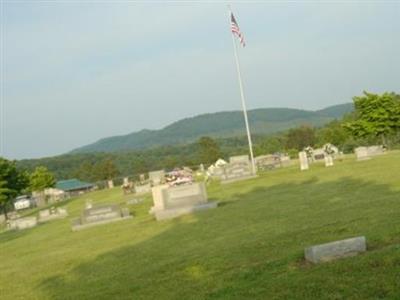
[236, 31]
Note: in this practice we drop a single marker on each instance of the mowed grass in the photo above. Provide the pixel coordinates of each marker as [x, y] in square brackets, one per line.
[250, 247]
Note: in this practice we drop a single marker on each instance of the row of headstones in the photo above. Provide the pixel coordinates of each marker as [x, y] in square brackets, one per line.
[362, 153]
[304, 162]
[31, 221]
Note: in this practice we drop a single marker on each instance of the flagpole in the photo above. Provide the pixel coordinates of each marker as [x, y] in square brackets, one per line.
[243, 104]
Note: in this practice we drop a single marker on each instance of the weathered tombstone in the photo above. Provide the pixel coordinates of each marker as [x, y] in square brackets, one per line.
[362, 153]
[157, 177]
[201, 168]
[335, 250]
[143, 189]
[100, 215]
[238, 168]
[171, 202]
[88, 204]
[142, 178]
[134, 201]
[52, 214]
[375, 150]
[44, 213]
[303, 160]
[239, 159]
[110, 184]
[12, 215]
[126, 181]
[268, 162]
[328, 161]
[285, 161]
[22, 223]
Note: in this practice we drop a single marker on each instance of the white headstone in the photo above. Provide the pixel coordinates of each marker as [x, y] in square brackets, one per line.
[110, 184]
[328, 161]
[303, 160]
[126, 180]
[362, 153]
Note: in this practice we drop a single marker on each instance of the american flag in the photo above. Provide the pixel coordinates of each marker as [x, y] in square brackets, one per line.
[236, 31]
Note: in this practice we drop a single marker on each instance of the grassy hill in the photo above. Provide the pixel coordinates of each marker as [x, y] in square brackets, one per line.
[250, 247]
[222, 124]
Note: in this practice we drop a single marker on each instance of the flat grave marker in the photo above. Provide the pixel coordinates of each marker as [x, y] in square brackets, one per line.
[335, 250]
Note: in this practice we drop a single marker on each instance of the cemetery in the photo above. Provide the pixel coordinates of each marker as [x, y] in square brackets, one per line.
[143, 158]
[303, 225]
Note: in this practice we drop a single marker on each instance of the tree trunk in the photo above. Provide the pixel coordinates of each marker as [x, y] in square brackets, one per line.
[384, 141]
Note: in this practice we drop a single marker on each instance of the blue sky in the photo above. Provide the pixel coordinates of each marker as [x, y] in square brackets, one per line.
[77, 71]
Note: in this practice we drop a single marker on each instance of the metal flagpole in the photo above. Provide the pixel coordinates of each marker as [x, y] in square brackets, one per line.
[243, 102]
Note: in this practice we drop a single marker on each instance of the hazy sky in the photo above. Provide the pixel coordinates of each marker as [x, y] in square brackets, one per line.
[77, 71]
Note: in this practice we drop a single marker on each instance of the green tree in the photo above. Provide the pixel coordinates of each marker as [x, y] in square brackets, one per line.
[333, 133]
[208, 150]
[270, 145]
[105, 170]
[375, 115]
[13, 182]
[4, 192]
[301, 137]
[41, 179]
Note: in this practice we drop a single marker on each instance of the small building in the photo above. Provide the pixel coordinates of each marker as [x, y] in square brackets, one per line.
[73, 187]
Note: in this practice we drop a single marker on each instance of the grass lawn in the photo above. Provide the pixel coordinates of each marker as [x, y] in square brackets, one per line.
[250, 247]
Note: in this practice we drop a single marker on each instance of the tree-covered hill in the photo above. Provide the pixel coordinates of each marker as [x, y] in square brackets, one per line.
[218, 125]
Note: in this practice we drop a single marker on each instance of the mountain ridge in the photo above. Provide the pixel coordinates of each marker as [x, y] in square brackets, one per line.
[217, 125]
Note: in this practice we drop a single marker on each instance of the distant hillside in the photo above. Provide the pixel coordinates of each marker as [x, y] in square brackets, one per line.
[218, 125]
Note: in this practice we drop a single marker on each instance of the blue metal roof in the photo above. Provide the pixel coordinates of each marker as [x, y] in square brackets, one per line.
[72, 185]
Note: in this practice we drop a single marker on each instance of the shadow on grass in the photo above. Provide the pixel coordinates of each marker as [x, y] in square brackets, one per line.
[251, 249]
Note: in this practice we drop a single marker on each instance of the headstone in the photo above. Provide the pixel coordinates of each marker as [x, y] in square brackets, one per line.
[268, 162]
[142, 178]
[328, 161]
[375, 150]
[13, 215]
[201, 168]
[143, 189]
[171, 202]
[239, 159]
[22, 223]
[44, 213]
[238, 168]
[52, 214]
[134, 201]
[303, 160]
[110, 184]
[88, 204]
[126, 181]
[318, 154]
[285, 161]
[335, 250]
[362, 153]
[61, 211]
[157, 177]
[100, 215]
